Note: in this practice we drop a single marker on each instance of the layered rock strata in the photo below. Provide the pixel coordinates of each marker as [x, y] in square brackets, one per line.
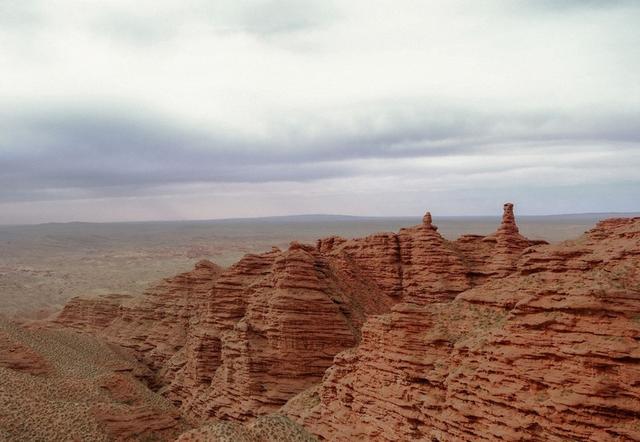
[550, 352]
[240, 342]
[91, 313]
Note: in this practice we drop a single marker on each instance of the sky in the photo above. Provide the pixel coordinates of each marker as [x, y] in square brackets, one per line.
[192, 109]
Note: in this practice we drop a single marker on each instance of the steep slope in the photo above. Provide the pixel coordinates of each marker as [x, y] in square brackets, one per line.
[237, 343]
[292, 326]
[59, 385]
[550, 352]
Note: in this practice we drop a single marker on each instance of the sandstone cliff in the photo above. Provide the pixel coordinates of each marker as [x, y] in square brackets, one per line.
[548, 352]
[240, 342]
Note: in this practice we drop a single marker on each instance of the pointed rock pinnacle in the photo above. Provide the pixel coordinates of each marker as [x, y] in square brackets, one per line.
[508, 219]
[427, 221]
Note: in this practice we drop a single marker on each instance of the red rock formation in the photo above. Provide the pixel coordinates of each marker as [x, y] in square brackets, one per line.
[432, 269]
[20, 357]
[156, 328]
[292, 327]
[494, 256]
[418, 263]
[124, 423]
[550, 352]
[509, 244]
[374, 260]
[240, 342]
[91, 313]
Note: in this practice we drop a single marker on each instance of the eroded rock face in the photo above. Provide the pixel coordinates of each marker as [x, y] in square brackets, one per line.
[549, 352]
[91, 313]
[240, 342]
[21, 357]
[496, 255]
[418, 264]
[128, 423]
[291, 327]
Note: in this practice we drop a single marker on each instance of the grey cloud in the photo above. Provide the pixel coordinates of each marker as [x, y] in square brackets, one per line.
[316, 92]
[104, 154]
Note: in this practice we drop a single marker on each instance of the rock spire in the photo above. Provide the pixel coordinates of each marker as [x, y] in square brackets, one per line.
[508, 219]
[428, 222]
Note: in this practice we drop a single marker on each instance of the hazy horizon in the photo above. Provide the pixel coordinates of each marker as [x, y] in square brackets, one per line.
[158, 110]
[336, 217]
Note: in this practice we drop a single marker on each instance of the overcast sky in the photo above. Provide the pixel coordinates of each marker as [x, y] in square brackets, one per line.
[155, 109]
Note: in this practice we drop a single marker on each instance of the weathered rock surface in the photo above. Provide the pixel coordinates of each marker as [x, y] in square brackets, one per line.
[396, 336]
[124, 423]
[548, 352]
[291, 327]
[91, 313]
[240, 342]
[494, 256]
[18, 356]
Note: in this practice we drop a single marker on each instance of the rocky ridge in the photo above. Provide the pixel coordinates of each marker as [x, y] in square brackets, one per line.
[548, 352]
[396, 336]
[240, 342]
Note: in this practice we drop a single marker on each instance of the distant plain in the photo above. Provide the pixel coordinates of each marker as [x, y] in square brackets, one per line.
[42, 266]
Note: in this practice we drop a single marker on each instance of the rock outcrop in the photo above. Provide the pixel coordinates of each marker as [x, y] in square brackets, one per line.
[240, 342]
[289, 328]
[396, 336]
[128, 423]
[91, 313]
[19, 356]
[547, 347]
[495, 256]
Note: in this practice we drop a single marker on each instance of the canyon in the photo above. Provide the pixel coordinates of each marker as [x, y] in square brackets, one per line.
[392, 336]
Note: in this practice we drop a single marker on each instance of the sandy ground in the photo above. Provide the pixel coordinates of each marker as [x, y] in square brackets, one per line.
[42, 266]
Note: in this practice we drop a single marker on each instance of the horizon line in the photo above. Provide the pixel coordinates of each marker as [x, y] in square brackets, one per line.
[319, 215]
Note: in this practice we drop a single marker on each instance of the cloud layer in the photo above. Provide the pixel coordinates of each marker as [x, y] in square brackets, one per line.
[187, 110]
